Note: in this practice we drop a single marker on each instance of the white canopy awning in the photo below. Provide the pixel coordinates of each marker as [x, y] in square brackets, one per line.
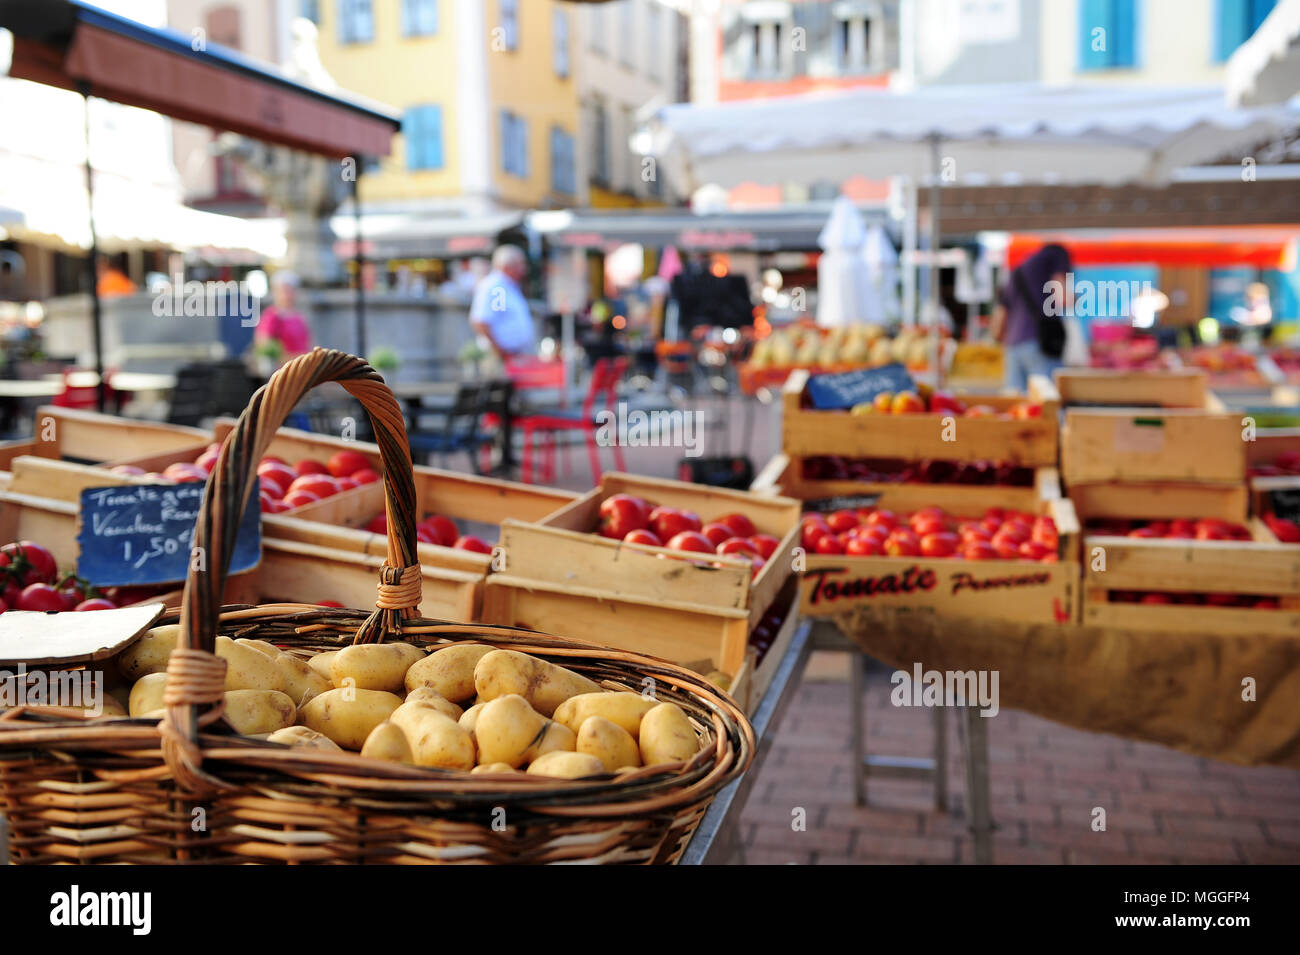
[985, 134]
[1266, 68]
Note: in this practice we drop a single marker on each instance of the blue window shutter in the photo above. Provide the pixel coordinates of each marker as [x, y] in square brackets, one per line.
[1259, 11]
[1094, 14]
[1123, 33]
[1229, 20]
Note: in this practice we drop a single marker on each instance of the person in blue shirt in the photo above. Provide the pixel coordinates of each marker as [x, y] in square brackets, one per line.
[499, 311]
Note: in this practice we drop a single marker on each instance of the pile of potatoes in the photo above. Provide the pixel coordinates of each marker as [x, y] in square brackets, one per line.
[466, 707]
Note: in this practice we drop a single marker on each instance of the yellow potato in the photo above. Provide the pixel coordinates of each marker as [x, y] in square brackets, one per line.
[321, 663]
[303, 738]
[494, 768]
[506, 728]
[300, 681]
[624, 709]
[348, 716]
[435, 738]
[608, 742]
[426, 694]
[252, 712]
[544, 685]
[111, 707]
[449, 671]
[248, 669]
[374, 666]
[150, 653]
[261, 646]
[469, 718]
[567, 765]
[555, 738]
[147, 694]
[667, 736]
[719, 679]
[387, 741]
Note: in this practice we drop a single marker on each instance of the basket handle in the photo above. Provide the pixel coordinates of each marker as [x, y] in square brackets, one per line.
[231, 483]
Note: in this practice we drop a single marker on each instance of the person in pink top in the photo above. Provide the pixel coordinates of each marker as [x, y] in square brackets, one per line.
[282, 322]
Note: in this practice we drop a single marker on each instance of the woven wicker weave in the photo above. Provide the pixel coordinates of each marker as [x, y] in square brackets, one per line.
[186, 789]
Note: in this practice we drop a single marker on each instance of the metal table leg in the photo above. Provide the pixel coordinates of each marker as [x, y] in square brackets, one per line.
[979, 804]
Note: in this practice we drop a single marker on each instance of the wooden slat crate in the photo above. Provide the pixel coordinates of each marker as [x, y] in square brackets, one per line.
[292, 445]
[1029, 442]
[89, 437]
[1133, 389]
[559, 573]
[1158, 444]
[1260, 567]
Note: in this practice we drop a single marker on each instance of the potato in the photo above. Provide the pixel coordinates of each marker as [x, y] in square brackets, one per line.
[301, 737]
[150, 653]
[436, 739]
[544, 685]
[387, 741]
[426, 694]
[608, 742]
[719, 679]
[506, 728]
[252, 712]
[555, 738]
[374, 666]
[667, 736]
[449, 671]
[248, 669]
[567, 765]
[348, 716]
[469, 718]
[494, 768]
[623, 709]
[321, 663]
[111, 707]
[147, 694]
[301, 682]
[261, 646]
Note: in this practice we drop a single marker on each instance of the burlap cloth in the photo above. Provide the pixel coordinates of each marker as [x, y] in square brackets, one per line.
[1184, 690]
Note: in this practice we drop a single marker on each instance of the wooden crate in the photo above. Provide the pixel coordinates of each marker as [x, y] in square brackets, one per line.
[1160, 444]
[1261, 567]
[292, 445]
[562, 577]
[755, 676]
[89, 437]
[1133, 389]
[784, 475]
[1030, 442]
[1160, 501]
[1019, 590]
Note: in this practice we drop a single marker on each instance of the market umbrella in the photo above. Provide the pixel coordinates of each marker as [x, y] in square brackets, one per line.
[1266, 68]
[843, 280]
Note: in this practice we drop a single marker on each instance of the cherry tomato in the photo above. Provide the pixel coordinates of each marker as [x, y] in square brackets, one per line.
[40, 597]
[35, 557]
[95, 603]
[471, 543]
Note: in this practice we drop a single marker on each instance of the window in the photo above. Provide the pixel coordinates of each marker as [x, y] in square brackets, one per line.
[854, 32]
[422, 133]
[508, 21]
[600, 142]
[1107, 34]
[1235, 21]
[356, 21]
[310, 9]
[563, 175]
[514, 144]
[560, 37]
[419, 17]
[763, 42]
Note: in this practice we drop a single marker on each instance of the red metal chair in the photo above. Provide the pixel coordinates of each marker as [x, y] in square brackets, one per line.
[605, 376]
[82, 396]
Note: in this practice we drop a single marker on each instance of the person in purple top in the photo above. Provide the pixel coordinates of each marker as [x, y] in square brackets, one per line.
[1030, 329]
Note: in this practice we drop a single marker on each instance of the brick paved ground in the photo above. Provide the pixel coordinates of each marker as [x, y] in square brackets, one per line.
[1162, 806]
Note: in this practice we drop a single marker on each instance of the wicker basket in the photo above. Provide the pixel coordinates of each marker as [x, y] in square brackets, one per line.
[186, 789]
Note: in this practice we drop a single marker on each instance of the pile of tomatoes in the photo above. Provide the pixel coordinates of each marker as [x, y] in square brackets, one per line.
[1000, 534]
[635, 520]
[436, 529]
[29, 580]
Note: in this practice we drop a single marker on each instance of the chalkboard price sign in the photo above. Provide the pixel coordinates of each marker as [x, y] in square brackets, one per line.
[849, 388]
[143, 534]
[825, 505]
[1286, 503]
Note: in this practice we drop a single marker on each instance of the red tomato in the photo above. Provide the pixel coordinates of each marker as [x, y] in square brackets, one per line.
[267, 503]
[690, 540]
[424, 535]
[929, 525]
[812, 533]
[282, 474]
[71, 595]
[182, 472]
[668, 522]
[1034, 550]
[279, 507]
[207, 460]
[1154, 598]
[620, 514]
[742, 526]
[365, 476]
[299, 498]
[1208, 532]
[270, 484]
[903, 546]
[1143, 532]
[1045, 532]
[828, 544]
[881, 517]
[322, 485]
[1287, 532]
[996, 513]
[991, 524]
[328, 603]
[928, 513]
[378, 524]
[129, 470]
[864, 546]
[1015, 529]
[717, 533]
[975, 532]
[739, 546]
[1008, 548]
[978, 550]
[471, 543]
[841, 521]
[765, 544]
[876, 533]
[1182, 527]
[756, 564]
[3, 606]
[444, 529]
[939, 544]
[643, 535]
[95, 603]
[346, 483]
[40, 597]
[310, 466]
[346, 463]
[34, 556]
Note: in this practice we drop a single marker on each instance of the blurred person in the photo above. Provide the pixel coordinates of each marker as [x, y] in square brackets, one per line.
[1032, 336]
[499, 312]
[111, 282]
[282, 323]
